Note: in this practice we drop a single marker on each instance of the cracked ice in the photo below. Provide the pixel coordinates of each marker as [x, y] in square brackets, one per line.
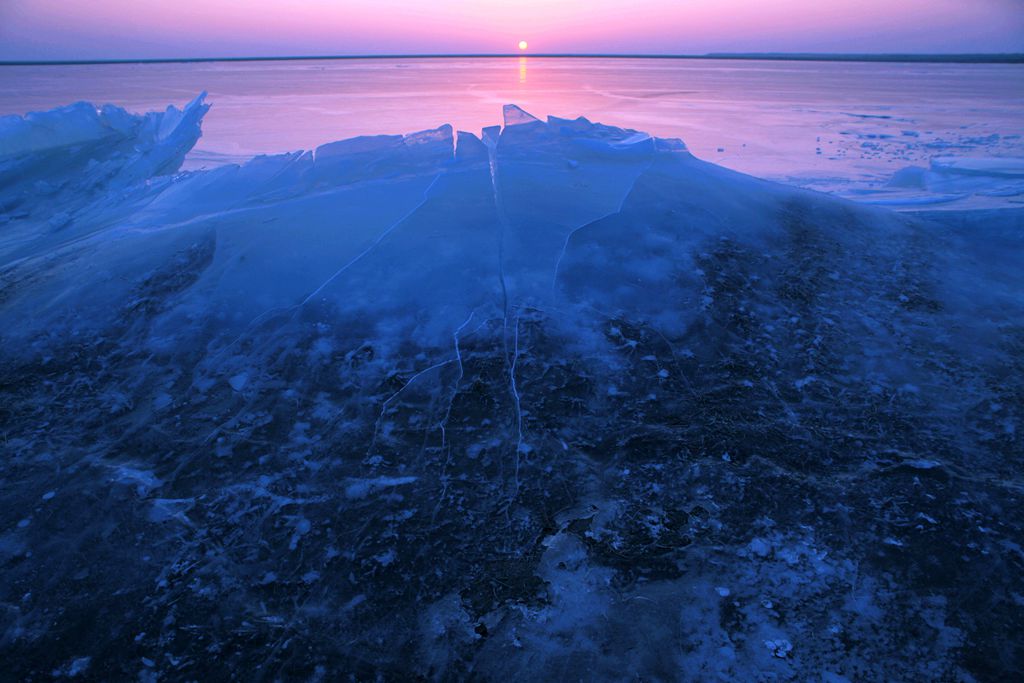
[560, 399]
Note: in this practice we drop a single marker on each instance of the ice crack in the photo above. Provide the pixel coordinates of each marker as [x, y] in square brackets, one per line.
[519, 410]
[392, 397]
[565, 245]
[455, 389]
[371, 247]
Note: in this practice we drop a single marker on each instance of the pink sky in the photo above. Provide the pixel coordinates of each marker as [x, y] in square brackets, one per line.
[103, 29]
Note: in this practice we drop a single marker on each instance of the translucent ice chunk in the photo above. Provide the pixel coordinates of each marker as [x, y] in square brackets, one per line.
[514, 116]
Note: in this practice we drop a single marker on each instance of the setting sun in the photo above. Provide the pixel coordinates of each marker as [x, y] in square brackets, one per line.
[523, 45]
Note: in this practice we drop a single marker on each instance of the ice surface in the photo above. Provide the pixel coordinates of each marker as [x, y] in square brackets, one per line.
[964, 180]
[559, 398]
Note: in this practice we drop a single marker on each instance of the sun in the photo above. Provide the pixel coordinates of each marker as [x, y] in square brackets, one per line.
[523, 45]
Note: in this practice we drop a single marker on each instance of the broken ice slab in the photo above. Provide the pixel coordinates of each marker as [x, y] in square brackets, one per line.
[514, 116]
[405, 233]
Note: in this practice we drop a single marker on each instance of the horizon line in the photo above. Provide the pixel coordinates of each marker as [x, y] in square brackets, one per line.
[895, 57]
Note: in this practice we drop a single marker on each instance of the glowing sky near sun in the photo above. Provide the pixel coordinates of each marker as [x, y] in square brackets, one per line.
[89, 29]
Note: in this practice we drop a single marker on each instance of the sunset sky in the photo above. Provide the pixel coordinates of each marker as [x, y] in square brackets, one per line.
[102, 29]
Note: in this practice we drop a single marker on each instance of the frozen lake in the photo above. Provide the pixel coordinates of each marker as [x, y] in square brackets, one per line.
[837, 127]
[558, 400]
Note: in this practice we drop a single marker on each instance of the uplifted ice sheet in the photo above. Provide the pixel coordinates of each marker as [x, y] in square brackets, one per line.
[560, 398]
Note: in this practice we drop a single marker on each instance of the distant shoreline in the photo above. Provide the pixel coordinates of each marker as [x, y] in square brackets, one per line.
[1011, 58]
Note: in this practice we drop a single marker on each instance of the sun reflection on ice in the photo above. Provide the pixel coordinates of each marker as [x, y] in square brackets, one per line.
[522, 69]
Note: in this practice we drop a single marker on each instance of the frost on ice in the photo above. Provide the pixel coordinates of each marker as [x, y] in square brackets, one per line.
[558, 398]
